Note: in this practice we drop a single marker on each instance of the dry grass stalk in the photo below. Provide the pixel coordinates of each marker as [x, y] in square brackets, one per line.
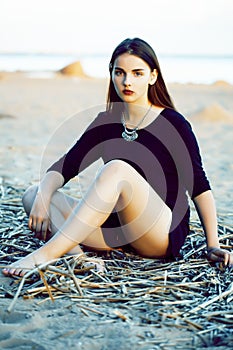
[188, 292]
[47, 287]
[213, 300]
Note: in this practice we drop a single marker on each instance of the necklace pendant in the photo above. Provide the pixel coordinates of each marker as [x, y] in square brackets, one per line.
[129, 136]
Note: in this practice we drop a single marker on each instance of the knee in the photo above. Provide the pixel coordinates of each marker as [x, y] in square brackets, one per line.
[117, 173]
[29, 197]
[111, 170]
[117, 166]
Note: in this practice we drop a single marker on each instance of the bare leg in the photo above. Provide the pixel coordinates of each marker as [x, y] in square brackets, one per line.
[61, 207]
[144, 216]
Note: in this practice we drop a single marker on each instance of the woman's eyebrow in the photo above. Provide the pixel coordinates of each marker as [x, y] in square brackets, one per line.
[133, 70]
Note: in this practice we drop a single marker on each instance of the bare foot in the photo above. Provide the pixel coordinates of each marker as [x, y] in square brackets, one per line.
[51, 250]
[31, 261]
[26, 264]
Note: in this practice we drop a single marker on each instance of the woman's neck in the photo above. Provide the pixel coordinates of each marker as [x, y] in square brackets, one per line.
[134, 113]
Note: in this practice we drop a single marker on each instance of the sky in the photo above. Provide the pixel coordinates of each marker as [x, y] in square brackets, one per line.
[97, 26]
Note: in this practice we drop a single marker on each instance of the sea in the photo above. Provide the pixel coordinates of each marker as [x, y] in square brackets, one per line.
[197, 69]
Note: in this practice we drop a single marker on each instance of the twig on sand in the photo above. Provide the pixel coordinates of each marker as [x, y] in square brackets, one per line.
[188, 292]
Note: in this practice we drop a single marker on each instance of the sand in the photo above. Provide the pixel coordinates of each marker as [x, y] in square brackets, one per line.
[32, 111]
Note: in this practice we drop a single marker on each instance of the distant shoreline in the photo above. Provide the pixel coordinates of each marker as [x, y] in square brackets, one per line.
[51, 75]
[180, 68]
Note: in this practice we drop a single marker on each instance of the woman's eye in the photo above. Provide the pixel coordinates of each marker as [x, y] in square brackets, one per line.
[118, 73]
[138, 74]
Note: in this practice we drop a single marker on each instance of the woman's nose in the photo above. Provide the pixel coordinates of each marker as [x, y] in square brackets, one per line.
[127, 80]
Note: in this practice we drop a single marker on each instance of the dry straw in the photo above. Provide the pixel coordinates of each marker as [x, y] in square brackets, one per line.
[186, 293]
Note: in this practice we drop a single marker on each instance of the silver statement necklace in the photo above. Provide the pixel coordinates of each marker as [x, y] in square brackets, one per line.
[131, 135]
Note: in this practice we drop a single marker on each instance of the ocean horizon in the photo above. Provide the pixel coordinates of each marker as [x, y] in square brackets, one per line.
[202, 69]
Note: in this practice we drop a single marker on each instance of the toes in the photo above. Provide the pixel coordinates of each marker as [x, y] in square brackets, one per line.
[18, 273]
[11, 272]
[5, 272]
[8, 271]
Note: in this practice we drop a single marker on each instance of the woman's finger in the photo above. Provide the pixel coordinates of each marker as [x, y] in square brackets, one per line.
[30, 222]
[220, 255]
[216, 258]
[44, 229]
[37, 227]
[226, 258]
[229, 259]
[225, 255]
[33, 224]
[216, 255]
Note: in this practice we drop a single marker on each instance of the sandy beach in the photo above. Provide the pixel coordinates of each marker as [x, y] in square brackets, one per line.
[34, 112]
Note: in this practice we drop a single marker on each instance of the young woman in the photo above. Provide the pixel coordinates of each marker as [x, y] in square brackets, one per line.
[151, 159]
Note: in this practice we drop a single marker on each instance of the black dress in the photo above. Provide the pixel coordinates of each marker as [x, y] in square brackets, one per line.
[165, 153]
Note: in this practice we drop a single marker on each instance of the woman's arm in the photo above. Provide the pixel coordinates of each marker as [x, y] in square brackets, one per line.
[206, 209]
[50, 183]
[83, 153]
[39, 215]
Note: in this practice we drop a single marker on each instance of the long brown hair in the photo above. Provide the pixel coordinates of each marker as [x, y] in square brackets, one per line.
[157, 93]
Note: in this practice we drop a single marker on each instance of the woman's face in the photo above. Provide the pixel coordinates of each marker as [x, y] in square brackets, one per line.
[131, 77]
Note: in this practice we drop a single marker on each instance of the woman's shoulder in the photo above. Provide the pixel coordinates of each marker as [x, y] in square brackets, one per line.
[175, 117]
[106, 118]
[177, 120]
[99, 119]
[102, 115]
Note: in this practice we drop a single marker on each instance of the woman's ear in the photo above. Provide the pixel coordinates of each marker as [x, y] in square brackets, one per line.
[153, 76]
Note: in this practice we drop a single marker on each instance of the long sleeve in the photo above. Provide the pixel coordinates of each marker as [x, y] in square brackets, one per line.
[85, 151]
[177, 135]
[190, 163]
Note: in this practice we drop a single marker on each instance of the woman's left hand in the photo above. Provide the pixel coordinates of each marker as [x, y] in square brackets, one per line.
[220, 255]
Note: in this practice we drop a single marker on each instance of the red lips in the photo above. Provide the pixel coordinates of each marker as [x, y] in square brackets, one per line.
[127, 92]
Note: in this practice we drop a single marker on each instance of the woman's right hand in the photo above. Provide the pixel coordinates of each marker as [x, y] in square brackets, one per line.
[39, 221]
[220, 255]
